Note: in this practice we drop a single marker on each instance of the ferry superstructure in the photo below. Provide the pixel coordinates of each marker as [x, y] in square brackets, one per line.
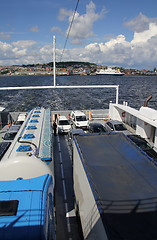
[109, 71]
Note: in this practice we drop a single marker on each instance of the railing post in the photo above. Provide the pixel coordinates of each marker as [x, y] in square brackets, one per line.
[117, 93]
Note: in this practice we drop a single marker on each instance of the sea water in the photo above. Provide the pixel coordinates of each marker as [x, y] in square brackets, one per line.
[132, 89]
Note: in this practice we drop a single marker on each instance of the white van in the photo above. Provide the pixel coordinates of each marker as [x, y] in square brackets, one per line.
[63, 125]
[21, 118]
[79, 120]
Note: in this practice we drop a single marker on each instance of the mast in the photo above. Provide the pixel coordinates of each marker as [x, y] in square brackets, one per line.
[54, 61]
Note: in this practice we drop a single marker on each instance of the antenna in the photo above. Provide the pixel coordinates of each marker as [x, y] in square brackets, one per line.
[54, 61]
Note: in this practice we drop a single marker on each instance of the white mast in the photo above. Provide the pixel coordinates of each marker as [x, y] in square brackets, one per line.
[54, 61]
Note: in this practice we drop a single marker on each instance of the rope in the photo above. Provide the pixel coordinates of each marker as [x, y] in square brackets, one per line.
[69, 30]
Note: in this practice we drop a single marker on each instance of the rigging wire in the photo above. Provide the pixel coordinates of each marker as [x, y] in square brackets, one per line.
[69, 30]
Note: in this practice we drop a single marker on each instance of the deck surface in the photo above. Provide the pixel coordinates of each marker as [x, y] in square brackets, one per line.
[67, 224]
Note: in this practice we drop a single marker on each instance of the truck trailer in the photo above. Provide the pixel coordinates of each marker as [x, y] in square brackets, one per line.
[115, 187]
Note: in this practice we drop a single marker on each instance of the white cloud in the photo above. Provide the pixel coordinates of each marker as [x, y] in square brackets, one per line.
[77, 42]
[120, 39]
[5, 48]
[115, 51]
[141, 37]
[140, 51]
[46, 52]
[56, 29]
[140, 23]
[63, 14]
[83, 24]
[34, 29]
[24, 44]
[4, 36]
[19, 52]
[7, 55]
[82, 27]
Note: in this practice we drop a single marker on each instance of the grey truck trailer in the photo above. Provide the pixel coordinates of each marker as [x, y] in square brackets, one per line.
[115, 186]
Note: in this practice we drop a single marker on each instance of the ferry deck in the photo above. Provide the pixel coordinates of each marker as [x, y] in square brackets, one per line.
[67, 224]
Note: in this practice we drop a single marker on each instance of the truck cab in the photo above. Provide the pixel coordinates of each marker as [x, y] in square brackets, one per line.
[79, 120]
[63, 125]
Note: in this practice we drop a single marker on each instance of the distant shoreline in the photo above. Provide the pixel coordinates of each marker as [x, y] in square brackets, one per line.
[38, 74]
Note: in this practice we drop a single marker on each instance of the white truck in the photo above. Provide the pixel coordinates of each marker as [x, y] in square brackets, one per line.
[79, 120]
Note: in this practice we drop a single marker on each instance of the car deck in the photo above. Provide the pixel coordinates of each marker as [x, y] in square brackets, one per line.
[67, 224]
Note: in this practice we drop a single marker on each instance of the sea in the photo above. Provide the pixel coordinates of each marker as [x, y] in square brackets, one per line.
[132, 89]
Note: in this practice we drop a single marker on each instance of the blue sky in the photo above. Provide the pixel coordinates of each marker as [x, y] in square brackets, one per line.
[110, 32]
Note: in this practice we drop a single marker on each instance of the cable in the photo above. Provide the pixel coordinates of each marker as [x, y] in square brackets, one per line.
[69, 30]
[31, 143]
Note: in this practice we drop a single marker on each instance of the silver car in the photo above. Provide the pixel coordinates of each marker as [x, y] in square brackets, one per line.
[11, 133]
[116, 126]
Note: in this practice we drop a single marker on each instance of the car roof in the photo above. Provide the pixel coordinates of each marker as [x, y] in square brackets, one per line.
[96, 124]
[62, 118]
[14, 128]
[22, 116]
[78, 113]
[77, 131]
[114, 122]
[137, 138]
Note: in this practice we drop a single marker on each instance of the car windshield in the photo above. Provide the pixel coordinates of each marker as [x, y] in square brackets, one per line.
[120, 127]
[19, 122]
[63, 122]
[98, 129]
[9, 136]
[81, 118]
[144, 146]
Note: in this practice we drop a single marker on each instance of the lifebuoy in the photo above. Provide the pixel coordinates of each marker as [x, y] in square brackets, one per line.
[123, 114]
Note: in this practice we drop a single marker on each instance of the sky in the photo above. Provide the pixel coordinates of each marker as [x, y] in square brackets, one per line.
[106, 32]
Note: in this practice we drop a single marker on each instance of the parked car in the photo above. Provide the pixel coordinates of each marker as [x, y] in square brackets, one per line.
[11, 133]
[96, 128]
[116, 126]
[21, 118]
[3, 148]
[144, 145]
[63, 125]
[79, 120]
